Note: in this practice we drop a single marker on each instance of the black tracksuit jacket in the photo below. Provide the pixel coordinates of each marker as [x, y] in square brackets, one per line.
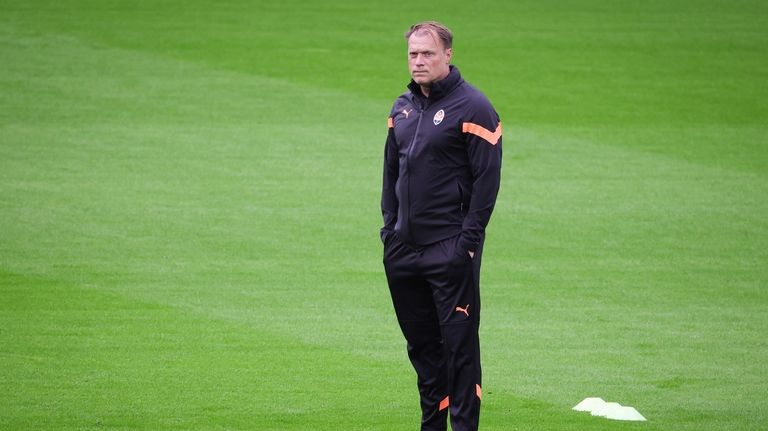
[442, 164]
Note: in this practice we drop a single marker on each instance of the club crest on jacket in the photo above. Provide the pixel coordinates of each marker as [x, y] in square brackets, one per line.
[438, 118]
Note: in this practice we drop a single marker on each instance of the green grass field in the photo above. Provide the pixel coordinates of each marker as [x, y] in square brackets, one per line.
[189, 213]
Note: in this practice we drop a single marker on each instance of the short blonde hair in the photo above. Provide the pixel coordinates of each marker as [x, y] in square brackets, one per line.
[443, 33]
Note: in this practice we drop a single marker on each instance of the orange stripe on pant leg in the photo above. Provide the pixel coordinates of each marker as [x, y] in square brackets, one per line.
[479, 391]
[478, 130]
[444, 404]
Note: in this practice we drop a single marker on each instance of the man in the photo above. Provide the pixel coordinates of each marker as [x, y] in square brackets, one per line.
[442, 166]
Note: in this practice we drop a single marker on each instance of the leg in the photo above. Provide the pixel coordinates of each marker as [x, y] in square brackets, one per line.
[457, 299]
[417, 317]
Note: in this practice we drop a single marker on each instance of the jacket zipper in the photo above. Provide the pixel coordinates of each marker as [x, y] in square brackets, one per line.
[408, 162]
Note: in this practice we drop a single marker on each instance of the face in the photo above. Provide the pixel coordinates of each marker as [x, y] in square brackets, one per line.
[427, 59]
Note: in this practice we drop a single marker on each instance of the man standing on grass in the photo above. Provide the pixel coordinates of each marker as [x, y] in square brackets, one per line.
[442, 165]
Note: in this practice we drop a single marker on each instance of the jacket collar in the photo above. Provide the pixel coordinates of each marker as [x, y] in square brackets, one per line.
[440, 88]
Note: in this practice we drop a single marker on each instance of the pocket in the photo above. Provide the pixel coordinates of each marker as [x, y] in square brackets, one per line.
[387, 237]
[390, 248]
[463, 205]
[460, 257]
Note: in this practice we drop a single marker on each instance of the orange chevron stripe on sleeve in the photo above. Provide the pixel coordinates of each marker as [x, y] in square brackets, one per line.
[478, 130]
[479, 391]
[390, 123]
[444, 404]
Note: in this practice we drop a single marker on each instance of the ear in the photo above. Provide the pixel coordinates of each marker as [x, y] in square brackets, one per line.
[449, 54]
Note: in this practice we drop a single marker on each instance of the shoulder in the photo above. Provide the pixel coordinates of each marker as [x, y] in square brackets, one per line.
[402, 102]
[480, 118]
[476, 99]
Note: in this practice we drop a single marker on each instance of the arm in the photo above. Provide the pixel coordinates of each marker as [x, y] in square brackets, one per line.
[389, 204]
[482, 132]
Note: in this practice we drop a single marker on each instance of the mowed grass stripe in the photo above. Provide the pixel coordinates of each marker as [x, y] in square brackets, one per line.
[273, 161]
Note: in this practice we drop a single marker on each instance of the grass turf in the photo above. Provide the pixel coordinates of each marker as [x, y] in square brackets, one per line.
[189, 212]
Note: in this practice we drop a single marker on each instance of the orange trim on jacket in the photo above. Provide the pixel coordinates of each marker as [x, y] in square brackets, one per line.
[478, 130]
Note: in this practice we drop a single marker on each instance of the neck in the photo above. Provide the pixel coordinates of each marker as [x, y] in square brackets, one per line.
[425, 89]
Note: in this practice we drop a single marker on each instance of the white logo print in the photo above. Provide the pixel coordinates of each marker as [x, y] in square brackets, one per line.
[438, 118]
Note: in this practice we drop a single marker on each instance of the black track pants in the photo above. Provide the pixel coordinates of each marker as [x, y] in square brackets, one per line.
[435, 291]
